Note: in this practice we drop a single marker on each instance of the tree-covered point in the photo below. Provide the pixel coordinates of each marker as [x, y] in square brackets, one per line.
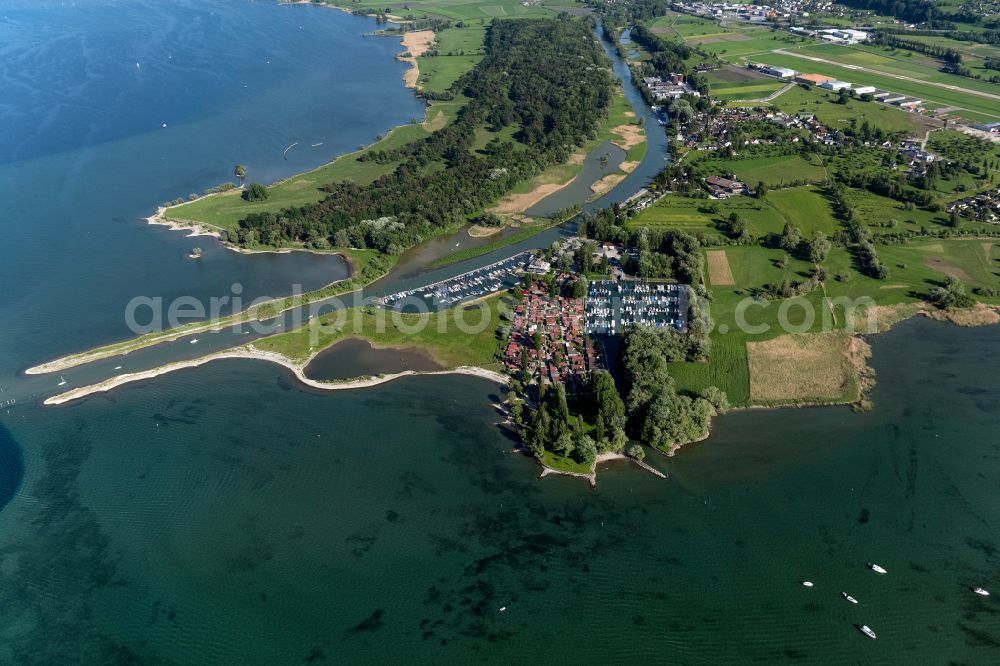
[592, 422]
[657, 414]
[548, 79]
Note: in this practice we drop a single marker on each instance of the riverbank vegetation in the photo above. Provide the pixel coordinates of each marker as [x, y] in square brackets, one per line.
[545, 78]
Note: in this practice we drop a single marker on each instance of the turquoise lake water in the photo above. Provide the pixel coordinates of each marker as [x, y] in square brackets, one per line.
[227, 514]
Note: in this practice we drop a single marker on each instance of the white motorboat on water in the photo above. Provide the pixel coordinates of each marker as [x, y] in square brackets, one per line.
[849, 597]
[194, 341]
[876, 568]
[980, 591]
[61, 381]
[866, 630]
[807, 583]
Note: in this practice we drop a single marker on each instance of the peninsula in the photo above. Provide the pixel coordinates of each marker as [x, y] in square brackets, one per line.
[792, 219]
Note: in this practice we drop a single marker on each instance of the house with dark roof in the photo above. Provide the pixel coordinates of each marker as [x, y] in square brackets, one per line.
[724, 187]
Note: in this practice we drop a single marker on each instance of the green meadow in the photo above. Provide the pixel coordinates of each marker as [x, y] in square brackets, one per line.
[777, 170]
[441, 333]
[913, 271]
[825, 106]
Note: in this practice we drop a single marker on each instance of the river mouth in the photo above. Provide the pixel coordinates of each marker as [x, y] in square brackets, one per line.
[353, 358]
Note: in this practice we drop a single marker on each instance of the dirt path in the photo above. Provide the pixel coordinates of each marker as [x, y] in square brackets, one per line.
[942, 266]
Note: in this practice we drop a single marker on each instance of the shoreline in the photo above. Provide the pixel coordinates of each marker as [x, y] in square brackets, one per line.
[599, 459]
[243, 316]
[420, 43]
[250, 352]
[197, 229]
[416, 43]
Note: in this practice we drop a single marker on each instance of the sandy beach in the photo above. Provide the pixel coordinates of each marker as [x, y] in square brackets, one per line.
[250, 352]
[416, 43]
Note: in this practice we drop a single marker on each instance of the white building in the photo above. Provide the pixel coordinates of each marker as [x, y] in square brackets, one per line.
[780, 72]
[836, 86]
[861, 90]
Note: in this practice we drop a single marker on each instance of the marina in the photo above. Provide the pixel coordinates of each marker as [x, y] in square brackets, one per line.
[614, 306]
[462, 288]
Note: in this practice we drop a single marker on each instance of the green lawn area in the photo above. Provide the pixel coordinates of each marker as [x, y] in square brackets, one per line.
[805, 207]
[438, 333]
[437, 73]
[563, 463]
[746, 90]
[776, 170]
[461, 41]
[828, 111]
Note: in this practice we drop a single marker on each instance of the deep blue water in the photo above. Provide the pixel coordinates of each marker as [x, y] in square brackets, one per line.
[87, 157]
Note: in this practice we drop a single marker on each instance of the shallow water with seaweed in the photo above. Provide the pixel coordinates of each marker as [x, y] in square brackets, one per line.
[229, 514]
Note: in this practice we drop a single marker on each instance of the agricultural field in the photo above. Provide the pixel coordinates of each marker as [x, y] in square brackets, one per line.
[811, 368]
[703, 215]
[747, 43]
[738, 45]
[776, 170]
[830, 112]
[905, 63]
[743, 323]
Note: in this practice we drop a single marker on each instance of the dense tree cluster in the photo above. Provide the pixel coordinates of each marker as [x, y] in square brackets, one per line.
[859, 236]
[935, 51]
[657, 414]
[595, 425]
[666, 55]
[951, 295]
[653, 253]
[547, 78]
